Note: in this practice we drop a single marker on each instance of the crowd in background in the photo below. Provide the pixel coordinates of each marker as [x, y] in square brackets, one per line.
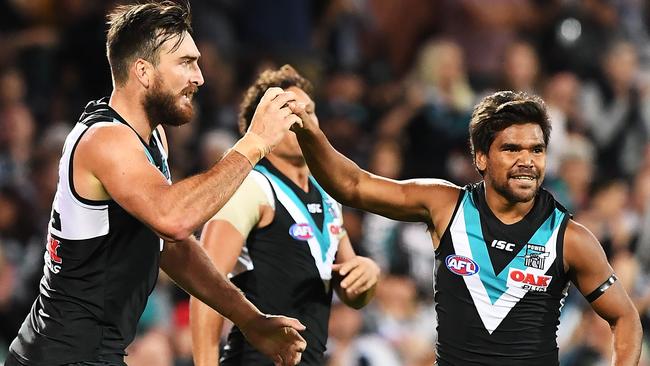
[395, 85]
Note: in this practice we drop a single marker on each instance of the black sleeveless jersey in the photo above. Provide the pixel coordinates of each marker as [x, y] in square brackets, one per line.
[499, 288]
[101, 264]
[288, 265]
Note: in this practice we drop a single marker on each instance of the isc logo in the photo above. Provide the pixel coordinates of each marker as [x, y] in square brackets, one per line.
[301, 231]
[503, 245]
[460, 265]
[528, 281]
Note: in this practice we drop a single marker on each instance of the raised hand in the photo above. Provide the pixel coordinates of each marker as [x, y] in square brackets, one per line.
[357, 275]
[277, 337]
[273, 116]
[306, 121]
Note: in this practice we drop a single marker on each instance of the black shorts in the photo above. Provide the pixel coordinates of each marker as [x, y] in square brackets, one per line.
[12, 361]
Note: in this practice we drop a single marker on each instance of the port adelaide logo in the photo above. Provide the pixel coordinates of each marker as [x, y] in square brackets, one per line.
[461, 265]
[535, 256]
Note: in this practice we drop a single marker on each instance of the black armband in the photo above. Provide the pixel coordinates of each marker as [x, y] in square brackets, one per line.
[601, 289]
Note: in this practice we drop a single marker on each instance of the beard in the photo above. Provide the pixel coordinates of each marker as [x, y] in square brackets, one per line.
[515, 195]
[161, 106]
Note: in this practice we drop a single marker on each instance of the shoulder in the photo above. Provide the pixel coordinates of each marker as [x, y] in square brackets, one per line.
[109, 135]
[581, 247]
[578, 234]
[439, 188]
[438, 196]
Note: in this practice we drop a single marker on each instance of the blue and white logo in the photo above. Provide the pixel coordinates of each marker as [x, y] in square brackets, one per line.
[301, 231]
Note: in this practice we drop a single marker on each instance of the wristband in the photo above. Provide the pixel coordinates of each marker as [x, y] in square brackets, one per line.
[253, 147]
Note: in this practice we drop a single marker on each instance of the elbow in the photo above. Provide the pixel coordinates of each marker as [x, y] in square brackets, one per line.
[173, 229]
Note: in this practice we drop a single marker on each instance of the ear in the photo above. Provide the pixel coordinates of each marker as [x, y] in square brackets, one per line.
[144, 72]
[480, 160]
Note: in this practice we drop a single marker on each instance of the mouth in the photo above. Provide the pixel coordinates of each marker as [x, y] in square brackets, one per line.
[525, 178]
[188, 93]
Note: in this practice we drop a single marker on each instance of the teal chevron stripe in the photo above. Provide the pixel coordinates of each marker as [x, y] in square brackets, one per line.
[495, 285]
[322, 236]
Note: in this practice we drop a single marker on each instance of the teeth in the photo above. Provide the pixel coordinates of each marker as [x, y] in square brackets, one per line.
[523, 177]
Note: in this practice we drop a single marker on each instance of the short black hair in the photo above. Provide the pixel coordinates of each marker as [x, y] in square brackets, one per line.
[284, 77]
[139, 30]
[500, 110]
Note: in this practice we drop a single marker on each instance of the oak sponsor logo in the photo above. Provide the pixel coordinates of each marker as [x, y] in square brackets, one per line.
[528, 281]
[52, 259]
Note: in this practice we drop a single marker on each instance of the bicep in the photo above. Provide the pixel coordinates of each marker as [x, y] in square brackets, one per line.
[588, 269]
[117, 159]
[409, 200]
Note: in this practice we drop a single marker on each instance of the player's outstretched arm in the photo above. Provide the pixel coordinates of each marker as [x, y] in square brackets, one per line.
[190, 267]
[411, 200]
[592, 275]
[112, 159]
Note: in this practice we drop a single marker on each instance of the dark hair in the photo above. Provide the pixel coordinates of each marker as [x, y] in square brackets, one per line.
[139, 30]
[284, 77]
[500, 110]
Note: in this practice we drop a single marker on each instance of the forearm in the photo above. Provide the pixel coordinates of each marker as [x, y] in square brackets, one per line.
[206, 327]
[188, 204]
[338, 175]
[190, 267]
[628, 334]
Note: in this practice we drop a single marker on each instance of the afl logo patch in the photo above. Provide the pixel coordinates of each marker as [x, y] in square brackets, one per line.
[301, 231]
[461, 266]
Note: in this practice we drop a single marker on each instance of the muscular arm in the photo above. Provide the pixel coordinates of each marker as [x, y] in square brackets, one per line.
[427, 200]
[588, 269]
[110, 162]
[204, 281]
[114, 159]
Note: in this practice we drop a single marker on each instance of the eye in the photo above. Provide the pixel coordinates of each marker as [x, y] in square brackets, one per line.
[538, 150]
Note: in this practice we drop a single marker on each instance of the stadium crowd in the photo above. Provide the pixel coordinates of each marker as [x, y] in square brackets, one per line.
[395, 84]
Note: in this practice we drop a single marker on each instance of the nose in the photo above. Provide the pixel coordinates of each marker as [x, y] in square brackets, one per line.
[197, 77]
[525, 158]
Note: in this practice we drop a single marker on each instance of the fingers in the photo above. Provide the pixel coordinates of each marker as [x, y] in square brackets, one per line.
[352, 279]
[283, 99]
[345, 267]
[292, 323]
[271, 94]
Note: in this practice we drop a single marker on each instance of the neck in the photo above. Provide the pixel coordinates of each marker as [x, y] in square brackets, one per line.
[122, 101]
[505, 210]
[296, 171]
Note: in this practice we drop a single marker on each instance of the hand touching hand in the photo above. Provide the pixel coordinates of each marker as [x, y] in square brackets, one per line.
[273, 116]
[276, 337]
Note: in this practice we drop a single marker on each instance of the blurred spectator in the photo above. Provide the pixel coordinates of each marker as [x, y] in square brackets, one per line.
[561, 94]
[617, 111]
[346, 346]
[520, 69]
